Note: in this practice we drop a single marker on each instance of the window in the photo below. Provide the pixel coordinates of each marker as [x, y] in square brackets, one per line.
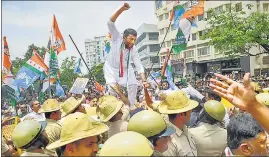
[140, 38]
[201, 33]
[155, 59]
[154, 48]
[158, 4]
[166, 15]
[218, 10]
[238, 7]
[203, 51]
[142, 49]
[153, 36]
[189, 53]
[228, 7]
[97, 42]
[161, 17]
[193, 36]
[168, 43]
[208, 15]
[265, 7]
[201, 17]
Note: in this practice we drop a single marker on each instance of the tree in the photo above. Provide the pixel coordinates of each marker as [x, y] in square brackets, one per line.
[29, 53]
[67, 76]
[98, 73]
[238, 32]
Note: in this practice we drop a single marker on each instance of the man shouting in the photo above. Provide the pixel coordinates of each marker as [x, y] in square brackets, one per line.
[117, 67]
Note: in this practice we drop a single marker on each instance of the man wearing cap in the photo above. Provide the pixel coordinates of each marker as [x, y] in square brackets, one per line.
[31, 136]
[210, 139]
[114, 111]
[79, 136]
[72, 105]
[179, 107]
[51, 109]
[152, 125]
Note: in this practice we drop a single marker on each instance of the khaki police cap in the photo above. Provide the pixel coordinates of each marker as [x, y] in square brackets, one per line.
[50, 105]
[78, 126]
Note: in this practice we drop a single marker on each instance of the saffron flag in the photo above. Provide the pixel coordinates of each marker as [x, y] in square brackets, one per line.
[31, 71]
[195, 8]
[6, 61]
[57, 40]
[98, 86]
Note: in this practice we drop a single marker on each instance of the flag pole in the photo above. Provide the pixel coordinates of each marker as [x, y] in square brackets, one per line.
[49, 65]
[80, 54]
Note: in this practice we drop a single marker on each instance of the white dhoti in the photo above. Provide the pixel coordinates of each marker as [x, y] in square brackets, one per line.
[111, 75]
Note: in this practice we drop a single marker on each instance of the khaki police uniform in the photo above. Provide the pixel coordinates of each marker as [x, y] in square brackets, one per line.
[210, 140]
[53, 131]
[33, 154]
[181, 144]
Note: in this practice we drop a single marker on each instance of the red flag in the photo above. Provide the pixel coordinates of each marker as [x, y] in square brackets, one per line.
[6, 60]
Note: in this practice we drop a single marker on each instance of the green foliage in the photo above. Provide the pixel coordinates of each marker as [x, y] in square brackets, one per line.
[98, 73]
[234, 33]
[67, 72]
[18, 62]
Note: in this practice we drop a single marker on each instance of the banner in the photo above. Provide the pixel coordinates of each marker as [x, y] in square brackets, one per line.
[79, 86]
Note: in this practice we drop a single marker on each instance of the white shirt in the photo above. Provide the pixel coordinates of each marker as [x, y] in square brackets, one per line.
[113, 58]
[35, 116]
[117, 127]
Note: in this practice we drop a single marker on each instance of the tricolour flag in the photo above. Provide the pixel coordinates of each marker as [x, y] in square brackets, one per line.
[57, 40]
[6, 70]
[31, 71]
[195, 8]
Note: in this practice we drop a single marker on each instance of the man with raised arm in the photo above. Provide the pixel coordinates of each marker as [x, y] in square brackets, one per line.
[117, 67]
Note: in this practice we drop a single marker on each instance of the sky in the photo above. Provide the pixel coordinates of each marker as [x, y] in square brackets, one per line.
[27, 22]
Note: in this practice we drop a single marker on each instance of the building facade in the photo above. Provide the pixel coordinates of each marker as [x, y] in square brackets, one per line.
[147, 46]
[200, 56]
[94, 51]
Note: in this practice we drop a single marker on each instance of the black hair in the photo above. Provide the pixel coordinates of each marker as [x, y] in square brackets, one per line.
[206, 118]
[173, 116]
[39, 142]
[47, 115]
[211, 94]
[128, 32]
[242, 127]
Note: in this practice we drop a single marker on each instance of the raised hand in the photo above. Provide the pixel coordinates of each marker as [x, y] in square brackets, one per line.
[125, 6]
[241, 96]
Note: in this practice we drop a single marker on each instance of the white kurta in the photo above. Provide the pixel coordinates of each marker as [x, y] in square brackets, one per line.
[112, 65]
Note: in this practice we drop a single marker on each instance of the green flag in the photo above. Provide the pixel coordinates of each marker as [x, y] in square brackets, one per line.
[180, 43]
[13, 102]
[41, 97]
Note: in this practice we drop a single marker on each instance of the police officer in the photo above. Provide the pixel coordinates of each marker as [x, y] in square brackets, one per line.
[114, 111]
[79, 136]
[152, 125]
[210, 139]
[30, 135]
[51, 109]
[127, 143]
[179, 107]
[72, 105]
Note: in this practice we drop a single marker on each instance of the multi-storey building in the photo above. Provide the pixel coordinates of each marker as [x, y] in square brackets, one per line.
[200, 56]
[95, 51]
[147, 46]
